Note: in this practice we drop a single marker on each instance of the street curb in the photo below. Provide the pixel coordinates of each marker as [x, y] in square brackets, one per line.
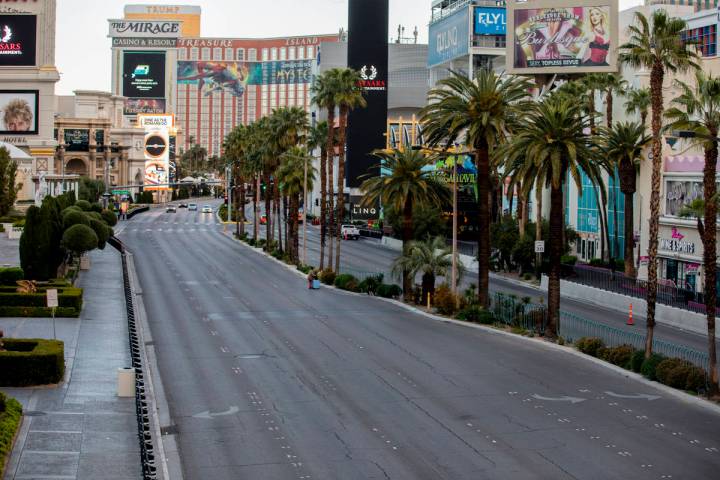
[515, 282]
[680, 395]
[167, 447]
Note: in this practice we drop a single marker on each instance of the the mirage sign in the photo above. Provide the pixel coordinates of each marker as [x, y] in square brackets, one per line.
[144, 28]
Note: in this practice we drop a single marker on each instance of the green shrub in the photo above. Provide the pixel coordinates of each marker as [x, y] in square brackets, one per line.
[389, 291]
[73, 217]
[477, 314]
[327, 277]
[305, 268]
[101, 230]
[34, 361]
[527, 276]
[597, 262]
[681, 374]
[568, 259]
[345, 281]
[83, 205]
[637, 360]
[72, 208]
[9, 276]
[94, 216]
[619, 356]
[38, 312]
[96, 207]
[695, 379]
[445, 301]
[79, 239]
[67, 297]
[10, 416]
[589, 345]
[371, 284]
[649, 366]
[109, 217]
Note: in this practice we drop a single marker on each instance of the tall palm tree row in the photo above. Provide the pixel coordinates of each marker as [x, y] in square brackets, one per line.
[656, 45]
[406, 185]
[549, 142]
[291, 177]
[624, 144]
[234, 152]
[697, 110]
[317, 138]
[474, 112]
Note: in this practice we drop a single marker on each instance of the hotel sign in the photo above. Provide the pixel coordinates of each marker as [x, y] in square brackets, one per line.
[144, 28]
[144, 42]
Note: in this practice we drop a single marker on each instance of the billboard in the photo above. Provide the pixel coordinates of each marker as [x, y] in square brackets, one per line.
[144, 74]
[489, 21]
[134, 106]
[18, 112]
[449, 38]
[368, 54]
[18, 35]
[77, 139]
[144, 28]
[552, 37]
[157, 149]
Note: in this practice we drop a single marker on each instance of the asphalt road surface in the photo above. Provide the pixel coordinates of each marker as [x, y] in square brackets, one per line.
[266, 379]
[367, 256]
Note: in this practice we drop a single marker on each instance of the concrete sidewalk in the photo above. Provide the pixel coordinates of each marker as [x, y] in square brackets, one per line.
[81, 429]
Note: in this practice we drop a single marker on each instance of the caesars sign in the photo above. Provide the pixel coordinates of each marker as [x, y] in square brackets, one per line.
[551, 36]
[17, 40]
[157, 149]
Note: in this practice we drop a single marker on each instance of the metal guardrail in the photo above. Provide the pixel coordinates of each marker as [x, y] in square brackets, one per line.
[533, 317]
[617, 282]
[145, 437]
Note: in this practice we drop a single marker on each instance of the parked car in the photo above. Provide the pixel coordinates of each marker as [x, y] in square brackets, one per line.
[192, 206]
[170, 208]
[207, 209]
[183, 205]
[350, 232]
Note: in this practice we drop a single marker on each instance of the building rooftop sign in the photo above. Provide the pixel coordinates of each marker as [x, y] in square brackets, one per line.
[144, 28]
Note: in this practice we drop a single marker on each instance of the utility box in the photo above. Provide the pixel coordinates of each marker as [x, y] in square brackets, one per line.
[126, 382]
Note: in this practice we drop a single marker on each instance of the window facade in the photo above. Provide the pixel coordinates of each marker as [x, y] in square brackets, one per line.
[705, 38]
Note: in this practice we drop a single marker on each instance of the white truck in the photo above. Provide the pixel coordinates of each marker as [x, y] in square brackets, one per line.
[349, 232]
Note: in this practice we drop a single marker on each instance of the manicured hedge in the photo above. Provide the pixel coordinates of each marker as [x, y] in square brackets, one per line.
[9, 276]
[31, 361]
[10, 414]
[67, 297]
[345, 281]
[38, 312]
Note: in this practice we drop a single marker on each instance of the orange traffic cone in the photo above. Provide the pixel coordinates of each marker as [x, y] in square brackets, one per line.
[630, 319]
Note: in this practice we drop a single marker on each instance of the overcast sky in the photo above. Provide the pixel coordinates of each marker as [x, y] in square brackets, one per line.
[82, 49]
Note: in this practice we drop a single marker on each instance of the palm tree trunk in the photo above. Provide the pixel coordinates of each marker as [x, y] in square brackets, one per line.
[330, 181]
[323, 205]
[256, 208]
[656, 81]
[340, 183]
[241, 214]
[279, 219]
[407, 233]
[538, 227]
[709, 239]
[483, 185]
[521, 212]
[609, 107]
[295, 236]
[616, 228]
[556, 227]
[629, 237]
[268, 210]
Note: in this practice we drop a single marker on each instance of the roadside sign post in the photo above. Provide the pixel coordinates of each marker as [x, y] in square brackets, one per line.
[52, 302]
[540, 246]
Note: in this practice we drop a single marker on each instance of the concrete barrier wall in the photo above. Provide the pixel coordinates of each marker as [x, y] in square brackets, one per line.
[468, 261]
[676, 317]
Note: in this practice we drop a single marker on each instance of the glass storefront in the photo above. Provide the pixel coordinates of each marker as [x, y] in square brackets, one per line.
[679, 273]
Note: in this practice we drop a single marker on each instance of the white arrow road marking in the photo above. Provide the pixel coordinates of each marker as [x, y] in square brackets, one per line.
[207, 415]
[559, 399]
[638, 396]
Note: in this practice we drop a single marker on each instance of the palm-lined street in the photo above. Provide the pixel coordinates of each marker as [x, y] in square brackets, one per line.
[266, 379]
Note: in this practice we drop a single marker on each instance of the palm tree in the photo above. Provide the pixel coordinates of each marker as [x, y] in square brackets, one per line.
[323, 95]
[290, 175]
[348, 95]
[432, 257]
[656, 45]
[624, 145]
[405, 186]
[549, 142]
[638, 101]
[612, 83]
[234, 149]
[317, 138]
[476, 112]
[253, 167]
[697, 111]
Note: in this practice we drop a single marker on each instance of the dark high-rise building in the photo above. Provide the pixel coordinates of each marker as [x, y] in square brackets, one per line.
[367, 53]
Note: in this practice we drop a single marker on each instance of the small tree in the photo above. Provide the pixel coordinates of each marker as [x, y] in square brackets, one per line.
[8, 188]
[30, 260]
[101, 230]
[72, 217]
[79, 239]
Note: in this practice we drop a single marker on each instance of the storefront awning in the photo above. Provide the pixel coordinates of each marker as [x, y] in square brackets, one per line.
[684, 163]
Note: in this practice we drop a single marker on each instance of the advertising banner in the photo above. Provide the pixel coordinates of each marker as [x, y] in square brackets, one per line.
[489, 21]
[18, 35]
[144, 74]
[144, 28]
[449, 38]
[232, 77]
[553, 37]
[157, 150]
[134, 106]
[18, 112]
[77, 140]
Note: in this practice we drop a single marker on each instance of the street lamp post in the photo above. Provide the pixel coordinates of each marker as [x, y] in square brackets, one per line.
[304, 260]
[454, 228]
[106, 175]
